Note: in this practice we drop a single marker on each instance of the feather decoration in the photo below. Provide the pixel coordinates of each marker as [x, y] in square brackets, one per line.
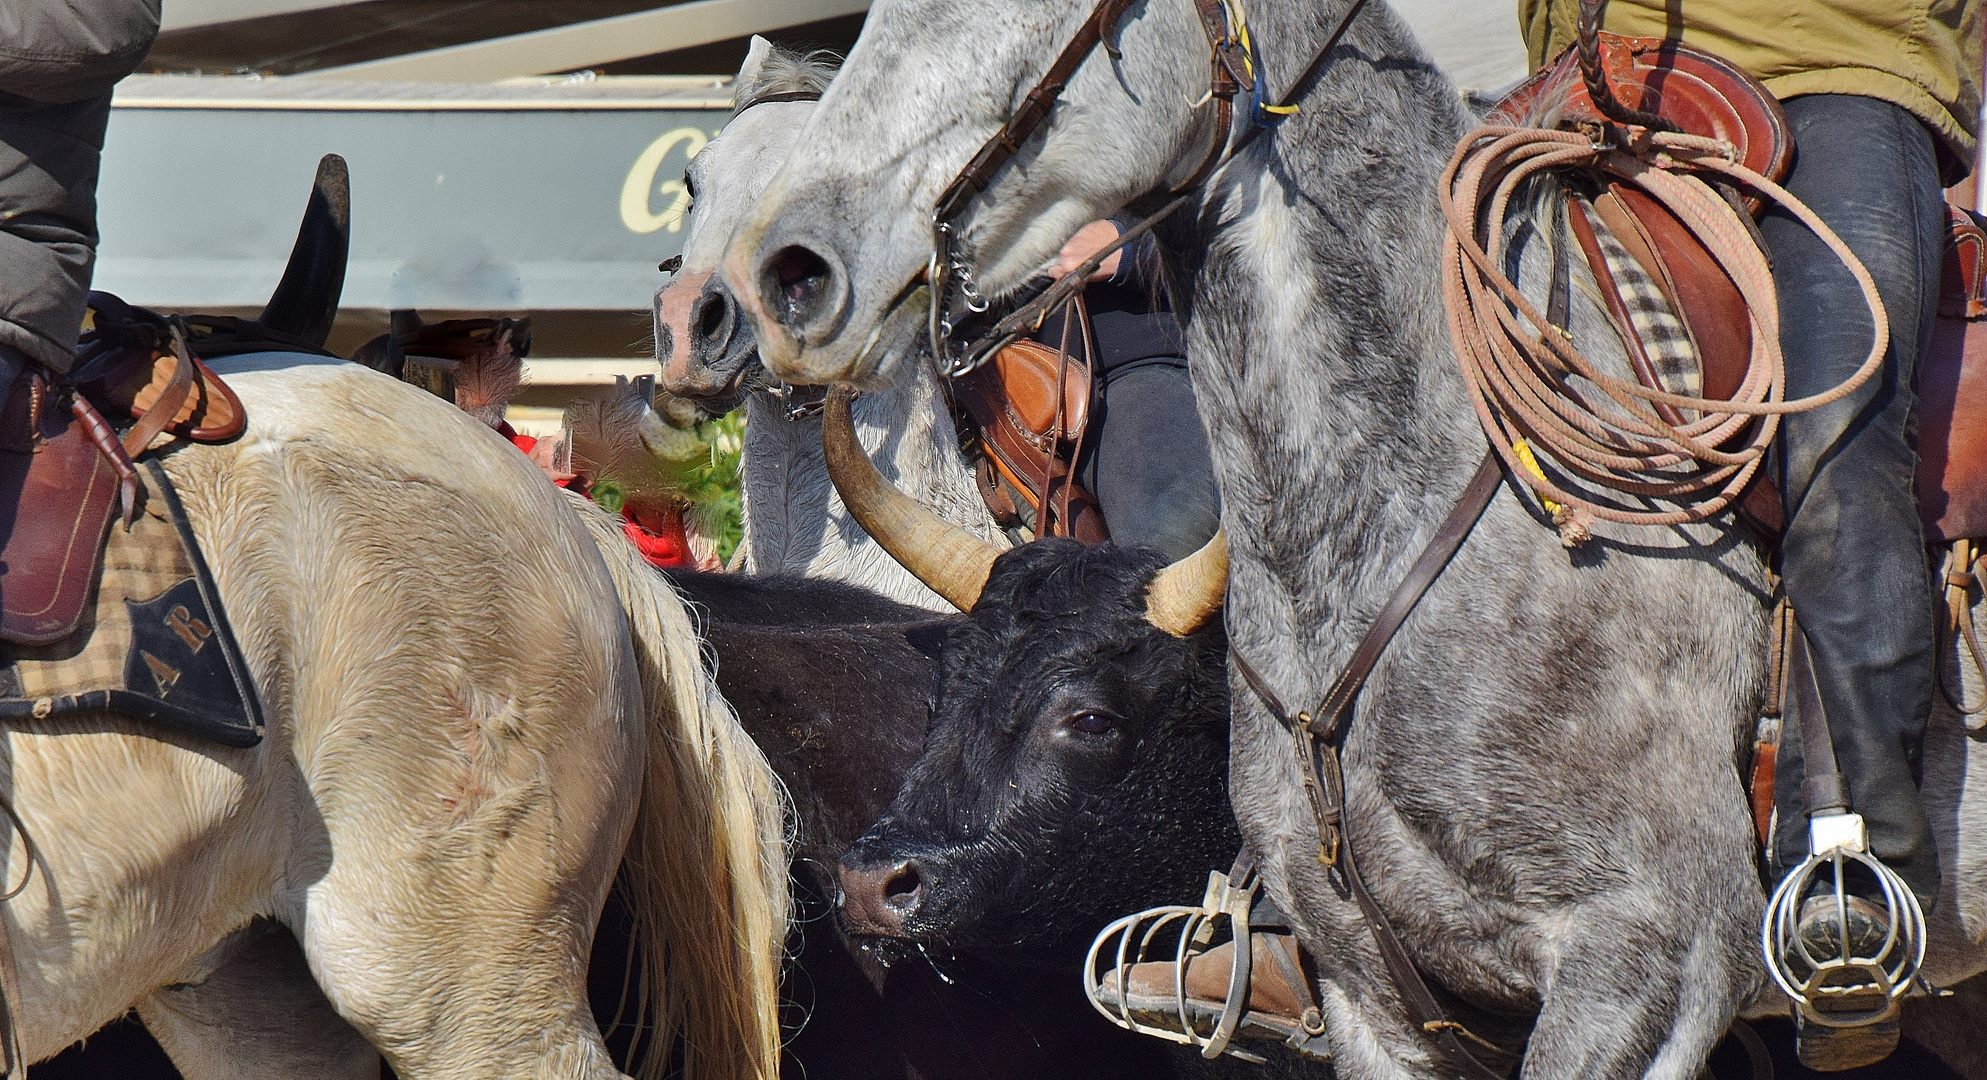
[489, 372]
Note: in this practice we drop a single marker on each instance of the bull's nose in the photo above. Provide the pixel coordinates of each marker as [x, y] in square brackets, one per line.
[878, 900]
[805, 287]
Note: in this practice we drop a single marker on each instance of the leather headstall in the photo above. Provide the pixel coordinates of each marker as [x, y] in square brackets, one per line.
[995, 152]
[1233, 64]
[772, 99]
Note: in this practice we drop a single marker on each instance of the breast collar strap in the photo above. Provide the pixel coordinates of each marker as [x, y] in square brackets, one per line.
[1317, 738]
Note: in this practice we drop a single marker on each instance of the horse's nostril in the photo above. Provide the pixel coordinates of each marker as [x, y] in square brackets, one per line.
[802, 275]
[901, 888]
[711, 318]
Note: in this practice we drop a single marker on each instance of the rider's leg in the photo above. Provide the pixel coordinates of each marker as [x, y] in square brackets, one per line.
[251, 1011]
[1147, 461]
[55, 80]
[48, 174]
[1854, 555]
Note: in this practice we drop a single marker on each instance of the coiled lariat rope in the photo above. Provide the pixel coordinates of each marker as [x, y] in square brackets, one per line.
[1517, 364]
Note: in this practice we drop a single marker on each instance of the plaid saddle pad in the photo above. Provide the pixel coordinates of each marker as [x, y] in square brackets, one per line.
[154, 643]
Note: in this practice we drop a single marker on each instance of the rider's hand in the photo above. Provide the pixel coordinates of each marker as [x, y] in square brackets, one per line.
[1087, 242]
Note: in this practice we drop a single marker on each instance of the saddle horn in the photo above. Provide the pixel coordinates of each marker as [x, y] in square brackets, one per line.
[1185, 595]
[950, 561]
[306, 300]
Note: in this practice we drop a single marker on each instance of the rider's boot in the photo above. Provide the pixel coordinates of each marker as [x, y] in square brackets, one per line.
[1831, 1049]
[1844, 938]
[1845, 929]
[1276, 1004]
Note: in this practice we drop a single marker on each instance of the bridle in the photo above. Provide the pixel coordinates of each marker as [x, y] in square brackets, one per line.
[1233, 65]
[795, 404]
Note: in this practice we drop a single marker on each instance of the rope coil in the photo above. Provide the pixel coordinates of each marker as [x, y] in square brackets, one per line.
[1519, 367]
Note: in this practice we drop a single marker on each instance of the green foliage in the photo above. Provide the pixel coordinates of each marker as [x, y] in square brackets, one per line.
[714, 482]
[706, 477]
[608, 495]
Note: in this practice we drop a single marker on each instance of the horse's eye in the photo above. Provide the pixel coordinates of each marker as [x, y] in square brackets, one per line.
[689, 187]
[1092, 723]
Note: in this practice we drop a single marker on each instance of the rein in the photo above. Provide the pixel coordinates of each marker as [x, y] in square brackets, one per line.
[1233, 63]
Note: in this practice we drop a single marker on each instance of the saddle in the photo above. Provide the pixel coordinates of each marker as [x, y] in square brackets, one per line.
[1952, 383]
[1632, 243]
[66, 469]
[1702, 94]
[1022, 415]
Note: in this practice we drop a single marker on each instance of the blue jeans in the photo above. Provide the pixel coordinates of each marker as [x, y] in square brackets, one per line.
[1853, 555]
[1146, 458]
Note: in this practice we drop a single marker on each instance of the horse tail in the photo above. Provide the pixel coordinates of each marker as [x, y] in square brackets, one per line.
[706, 869]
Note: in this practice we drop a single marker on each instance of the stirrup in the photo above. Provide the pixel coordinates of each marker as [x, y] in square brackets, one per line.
[1849, 989]
[1176, 936]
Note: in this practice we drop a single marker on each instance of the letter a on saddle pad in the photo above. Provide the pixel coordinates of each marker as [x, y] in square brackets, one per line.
[153, 643]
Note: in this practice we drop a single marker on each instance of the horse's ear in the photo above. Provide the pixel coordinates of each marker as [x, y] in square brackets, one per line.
[755, 61]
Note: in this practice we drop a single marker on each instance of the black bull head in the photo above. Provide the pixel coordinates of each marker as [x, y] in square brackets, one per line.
[1076, 764]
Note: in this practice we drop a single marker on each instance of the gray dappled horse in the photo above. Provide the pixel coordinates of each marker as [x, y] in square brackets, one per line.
[1541, 774]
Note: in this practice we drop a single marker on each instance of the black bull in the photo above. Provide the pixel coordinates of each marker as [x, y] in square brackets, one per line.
[837, 686]
[1075, 769]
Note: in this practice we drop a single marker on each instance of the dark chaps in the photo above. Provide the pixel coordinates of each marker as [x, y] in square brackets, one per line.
[1853, 554]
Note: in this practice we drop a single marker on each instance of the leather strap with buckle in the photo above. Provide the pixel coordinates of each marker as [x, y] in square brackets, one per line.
[1317, 738]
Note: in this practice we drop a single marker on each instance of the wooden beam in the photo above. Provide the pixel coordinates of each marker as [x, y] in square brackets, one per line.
[602, 41]
[180, 14]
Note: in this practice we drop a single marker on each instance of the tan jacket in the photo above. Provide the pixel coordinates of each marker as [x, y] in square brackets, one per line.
[1924, 55]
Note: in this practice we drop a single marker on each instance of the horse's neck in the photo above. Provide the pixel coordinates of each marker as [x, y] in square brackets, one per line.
[1341, 430]
[794, 522]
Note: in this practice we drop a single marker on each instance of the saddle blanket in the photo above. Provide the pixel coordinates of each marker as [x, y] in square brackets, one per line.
[154, 643]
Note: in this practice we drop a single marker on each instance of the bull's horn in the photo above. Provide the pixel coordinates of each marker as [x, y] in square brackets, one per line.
[950, 561]
[1185, 594]
[305, 302]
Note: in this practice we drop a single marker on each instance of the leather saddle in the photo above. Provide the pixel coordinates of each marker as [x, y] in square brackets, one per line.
[1695, 91]
[1703, 94]
[1952, 393]
[65, 467]
[1023, 414]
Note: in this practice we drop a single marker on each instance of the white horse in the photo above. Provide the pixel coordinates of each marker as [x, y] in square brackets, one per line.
[479, 703]
[794, 521]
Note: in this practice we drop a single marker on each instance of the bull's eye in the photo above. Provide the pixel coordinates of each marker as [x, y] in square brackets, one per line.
[1092, 723]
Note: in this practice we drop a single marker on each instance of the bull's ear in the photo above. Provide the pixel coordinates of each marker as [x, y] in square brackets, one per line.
[755, 62]
[928, 638]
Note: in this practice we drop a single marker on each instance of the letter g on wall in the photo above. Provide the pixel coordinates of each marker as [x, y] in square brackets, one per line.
[637, 212]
